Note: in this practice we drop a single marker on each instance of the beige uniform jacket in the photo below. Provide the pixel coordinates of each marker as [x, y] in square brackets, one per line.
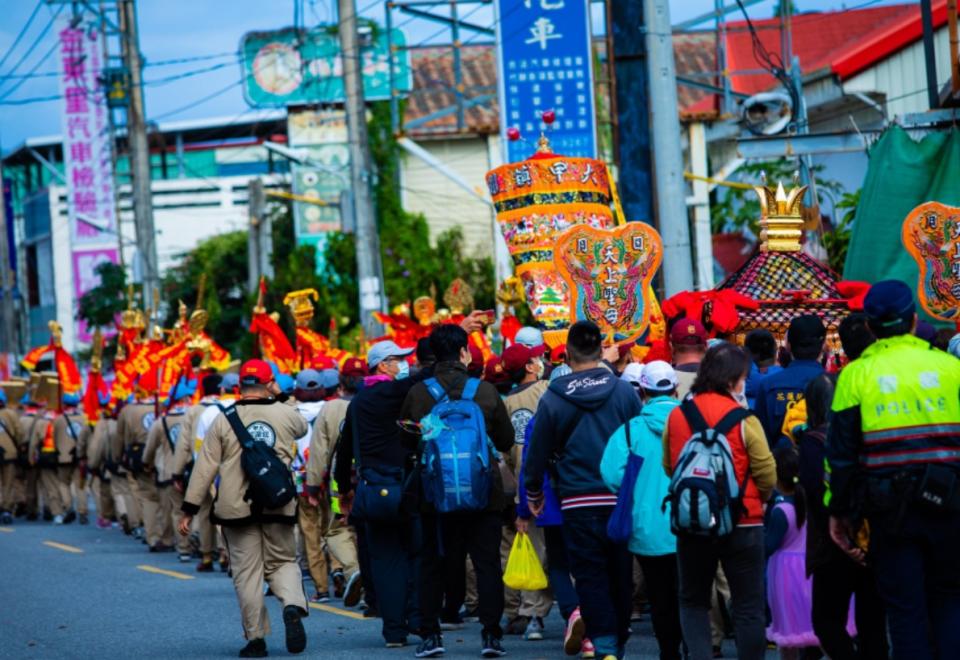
[268, 421]
[184, 452]
[522, 405]
[159, 452]
[11, 434]
[71, 432]
[35, 429]
[100, 439]
[326, 432]
[134, 422]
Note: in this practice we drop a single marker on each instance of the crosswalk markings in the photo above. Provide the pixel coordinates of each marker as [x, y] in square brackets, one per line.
[64, 547]
[163, 571]
[6, 529]
[336, 610]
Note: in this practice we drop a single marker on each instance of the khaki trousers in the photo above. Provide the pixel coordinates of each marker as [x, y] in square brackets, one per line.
[314, 521]
[126, 503]
[149, 499]
[103, 496]
[30, 480]
[79, 482]
[526, 603]
[7, 484]
[341, 542]
[205, 527]
[170, 502]
[264, 552]
[56, 488]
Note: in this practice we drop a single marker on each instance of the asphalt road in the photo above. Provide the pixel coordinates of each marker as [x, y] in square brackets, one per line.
[81, 592]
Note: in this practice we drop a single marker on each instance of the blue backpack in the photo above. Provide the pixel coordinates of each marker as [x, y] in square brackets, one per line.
[457, 470]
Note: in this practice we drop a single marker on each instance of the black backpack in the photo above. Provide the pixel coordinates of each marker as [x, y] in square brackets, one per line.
[270, 480]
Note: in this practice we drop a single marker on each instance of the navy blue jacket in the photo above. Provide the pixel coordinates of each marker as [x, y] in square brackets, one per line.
[575, 418]
[776, 391]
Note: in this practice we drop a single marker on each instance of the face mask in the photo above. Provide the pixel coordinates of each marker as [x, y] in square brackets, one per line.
[541, 370]
[403, 370]
[740, 395]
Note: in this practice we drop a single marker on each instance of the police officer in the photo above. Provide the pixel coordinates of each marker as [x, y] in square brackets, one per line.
[70, 433]
[775, 392]
[133, 424]
[893, 450]
[261, 545]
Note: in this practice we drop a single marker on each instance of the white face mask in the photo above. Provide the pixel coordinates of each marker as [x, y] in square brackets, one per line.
[403, 370]
[541, 369]
[740, 393]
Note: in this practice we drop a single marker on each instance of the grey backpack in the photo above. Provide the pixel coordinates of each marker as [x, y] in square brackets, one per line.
[704, 495]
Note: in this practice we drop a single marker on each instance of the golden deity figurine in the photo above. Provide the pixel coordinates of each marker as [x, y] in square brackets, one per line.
[300, 305]
[56, 333]
[424, 310]
[96, 357]
[459, 297]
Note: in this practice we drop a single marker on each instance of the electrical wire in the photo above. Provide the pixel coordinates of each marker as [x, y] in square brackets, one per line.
[23, 31]
[36, 66]
[38, 39]
[200, 101]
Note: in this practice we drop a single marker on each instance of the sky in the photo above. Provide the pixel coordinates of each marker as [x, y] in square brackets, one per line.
[210, 31]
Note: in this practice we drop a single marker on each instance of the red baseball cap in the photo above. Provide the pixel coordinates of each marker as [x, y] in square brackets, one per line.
[559, 354]
[688, 332]
[255, 372]
[354, 367]
[493, 371]
[476, 358]
[516, 357]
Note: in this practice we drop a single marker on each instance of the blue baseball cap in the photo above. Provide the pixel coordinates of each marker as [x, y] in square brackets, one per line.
[888, 303]
[560, 372]
[182, 390]
[309, 380]
[71, 399]
[383, 350]
[330, 379]
[285, 382]
[529, 337]
[229, 381]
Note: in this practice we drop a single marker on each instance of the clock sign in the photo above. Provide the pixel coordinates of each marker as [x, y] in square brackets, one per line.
[277, 68]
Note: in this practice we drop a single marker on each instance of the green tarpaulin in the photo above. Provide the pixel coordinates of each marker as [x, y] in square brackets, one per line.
[902, 174]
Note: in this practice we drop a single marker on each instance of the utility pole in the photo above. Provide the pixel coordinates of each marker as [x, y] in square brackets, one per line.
[369, 268]
[667, 154]
[7, 309]
[259, 235]
[139, 152]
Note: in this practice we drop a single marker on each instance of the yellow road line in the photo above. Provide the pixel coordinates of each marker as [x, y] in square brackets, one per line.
[64, 547]
[6, 529]
[163, 571]
[336, 610]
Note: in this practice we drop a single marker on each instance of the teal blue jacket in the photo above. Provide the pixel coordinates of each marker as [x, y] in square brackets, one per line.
[651, 524]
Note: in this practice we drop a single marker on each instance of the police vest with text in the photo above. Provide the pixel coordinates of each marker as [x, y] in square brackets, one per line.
[908, 396]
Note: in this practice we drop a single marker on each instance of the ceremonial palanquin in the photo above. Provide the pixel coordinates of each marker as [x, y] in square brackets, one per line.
[559, 218]
[931, 234]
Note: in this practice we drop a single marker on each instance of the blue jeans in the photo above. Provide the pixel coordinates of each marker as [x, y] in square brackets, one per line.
[558, 571]
[603, 571]
[918, 575]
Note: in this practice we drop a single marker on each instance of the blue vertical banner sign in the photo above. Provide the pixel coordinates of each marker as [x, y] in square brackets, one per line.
[545, 62]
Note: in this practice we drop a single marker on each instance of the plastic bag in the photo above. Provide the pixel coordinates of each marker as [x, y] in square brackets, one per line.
[524, 572]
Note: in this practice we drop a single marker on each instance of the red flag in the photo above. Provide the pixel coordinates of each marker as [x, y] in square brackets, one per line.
[274, 345]
[31, 359]
[70, 382]
[96, 389]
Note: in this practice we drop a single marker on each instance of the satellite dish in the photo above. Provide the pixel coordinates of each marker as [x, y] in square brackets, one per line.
[768, 113]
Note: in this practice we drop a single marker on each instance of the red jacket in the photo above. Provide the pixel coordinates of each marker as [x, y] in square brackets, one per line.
[714, 407]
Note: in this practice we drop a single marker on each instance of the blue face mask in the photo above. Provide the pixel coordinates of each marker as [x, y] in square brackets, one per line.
[403, 370]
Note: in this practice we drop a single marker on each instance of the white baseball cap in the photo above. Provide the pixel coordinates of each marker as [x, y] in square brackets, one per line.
[631, 373]
[383, 350]
[658, 376]
[529, 337]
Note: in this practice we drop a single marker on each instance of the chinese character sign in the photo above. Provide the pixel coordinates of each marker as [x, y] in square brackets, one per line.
[608, 272]
[88, 163]
[931, 234]
[545, 63]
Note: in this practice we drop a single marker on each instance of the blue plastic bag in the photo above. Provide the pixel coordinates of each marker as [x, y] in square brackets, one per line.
[620, 524]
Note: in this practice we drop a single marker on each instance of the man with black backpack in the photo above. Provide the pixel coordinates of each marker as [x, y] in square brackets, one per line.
[250, 447]
[576, 416]
[472, 521]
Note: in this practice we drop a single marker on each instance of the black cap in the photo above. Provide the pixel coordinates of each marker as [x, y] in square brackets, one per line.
[888, 303]
[806, 331]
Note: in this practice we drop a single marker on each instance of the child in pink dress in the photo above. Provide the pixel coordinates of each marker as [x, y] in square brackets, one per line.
[788, 587]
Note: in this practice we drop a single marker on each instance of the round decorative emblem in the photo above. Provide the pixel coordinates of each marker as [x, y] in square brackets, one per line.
[262, 432]
[147, 420]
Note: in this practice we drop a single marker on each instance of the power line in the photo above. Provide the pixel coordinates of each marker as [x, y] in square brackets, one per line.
[39, 38]
[36, 66]
[200, 101]
[23, 31]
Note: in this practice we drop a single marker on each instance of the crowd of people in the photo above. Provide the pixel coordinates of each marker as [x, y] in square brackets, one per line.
[783, 495]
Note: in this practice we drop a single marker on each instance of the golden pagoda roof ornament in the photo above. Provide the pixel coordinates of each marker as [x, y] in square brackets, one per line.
[543, 144]
[459, 297]
[300, 306]
[132, 318]
[781, 217]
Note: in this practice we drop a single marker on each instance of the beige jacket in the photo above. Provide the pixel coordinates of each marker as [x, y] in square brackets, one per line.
[522, 406]
[134, 422]
[100, 441]
[184, 451]
[268, 421]
[326, 432]
[10, 434]
[71, 440]
[158, 453]
[34, 426]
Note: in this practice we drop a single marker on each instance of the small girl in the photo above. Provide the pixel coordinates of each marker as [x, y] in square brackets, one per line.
[788, 587]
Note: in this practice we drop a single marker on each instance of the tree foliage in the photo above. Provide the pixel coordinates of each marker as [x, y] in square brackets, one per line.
[99, 306]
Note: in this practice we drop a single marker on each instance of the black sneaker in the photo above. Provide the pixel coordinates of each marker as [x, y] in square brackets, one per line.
[255, 648]
[430, 647]
[321, 597]
[370, 613]
[353, 591]
[492, 648]
[84, 519]
[70, 517]
[296, 635]
[339, 584]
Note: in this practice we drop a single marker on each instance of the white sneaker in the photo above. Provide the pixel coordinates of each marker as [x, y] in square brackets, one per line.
[58, 520]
